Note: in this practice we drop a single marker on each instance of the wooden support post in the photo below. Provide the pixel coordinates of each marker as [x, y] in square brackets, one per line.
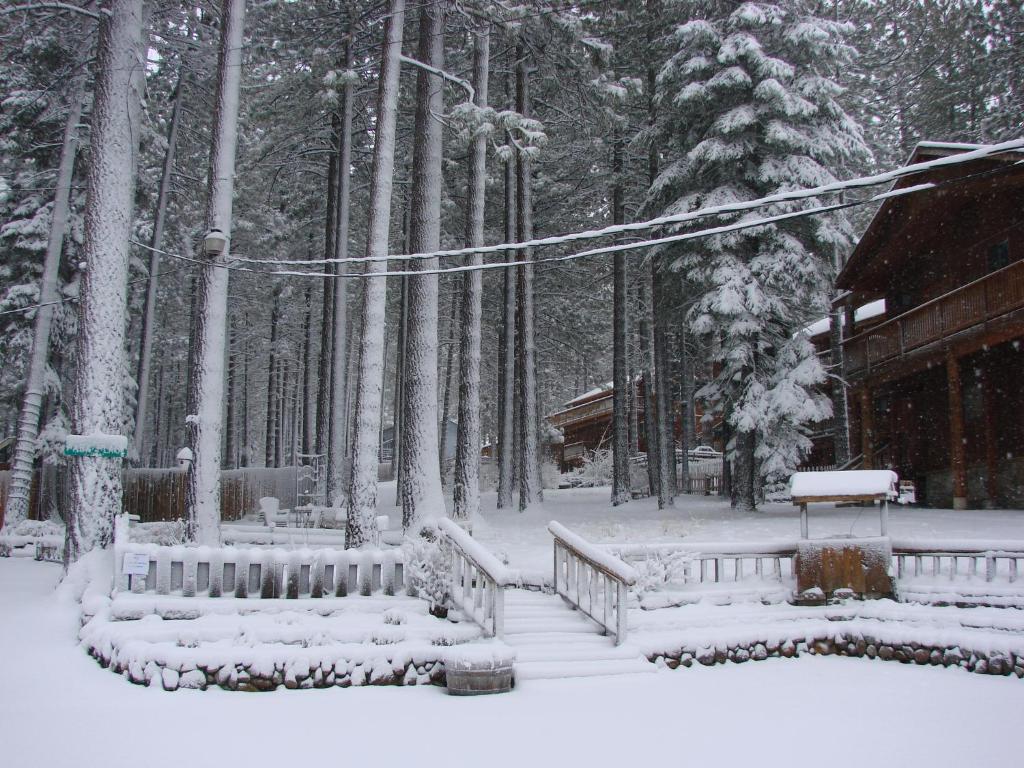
[956, 434]
[803, 521]
[991, 444]
[867, 428]
[620, 613]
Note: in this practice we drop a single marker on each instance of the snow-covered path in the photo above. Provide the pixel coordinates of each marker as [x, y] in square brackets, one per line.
[58, 708]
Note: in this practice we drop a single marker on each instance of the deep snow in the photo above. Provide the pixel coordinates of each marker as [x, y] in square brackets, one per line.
[524, 539]
[59, 708]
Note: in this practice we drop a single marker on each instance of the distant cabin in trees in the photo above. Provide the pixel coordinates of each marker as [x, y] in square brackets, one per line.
[935, 382]
[387, 444]
[586, 424]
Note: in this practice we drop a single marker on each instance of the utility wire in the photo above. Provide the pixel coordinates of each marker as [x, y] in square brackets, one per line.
[681, 218]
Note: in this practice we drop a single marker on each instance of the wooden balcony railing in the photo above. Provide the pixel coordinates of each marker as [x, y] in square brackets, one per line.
[985, 299]
[581, 412]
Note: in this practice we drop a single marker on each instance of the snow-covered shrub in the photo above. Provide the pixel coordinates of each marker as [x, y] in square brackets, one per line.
[595, 470]
[549, 474]
[166, 533]
[428, 568]
[661, 570]
[38, 528]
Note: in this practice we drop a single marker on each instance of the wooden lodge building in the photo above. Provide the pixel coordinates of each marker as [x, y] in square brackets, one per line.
[586, 424]
[937, 382]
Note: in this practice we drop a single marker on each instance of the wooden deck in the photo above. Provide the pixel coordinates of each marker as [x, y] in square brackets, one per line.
[971, 306]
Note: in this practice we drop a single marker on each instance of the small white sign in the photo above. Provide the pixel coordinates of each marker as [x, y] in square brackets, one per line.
[135, 564]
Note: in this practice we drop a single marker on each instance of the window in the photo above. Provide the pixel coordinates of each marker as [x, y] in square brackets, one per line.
[999, 256]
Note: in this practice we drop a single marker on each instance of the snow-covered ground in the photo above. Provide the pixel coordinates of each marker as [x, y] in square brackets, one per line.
[523, 537]
[59, 708]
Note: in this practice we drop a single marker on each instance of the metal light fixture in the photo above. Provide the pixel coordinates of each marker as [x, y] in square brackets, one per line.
[215, 242]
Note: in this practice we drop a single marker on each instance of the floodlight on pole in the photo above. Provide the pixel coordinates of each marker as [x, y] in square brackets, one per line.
[215, 243]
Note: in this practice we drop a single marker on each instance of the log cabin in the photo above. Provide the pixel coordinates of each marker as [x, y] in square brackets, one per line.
[935, 385]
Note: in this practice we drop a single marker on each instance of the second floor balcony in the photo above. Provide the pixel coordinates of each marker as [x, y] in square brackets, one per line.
[956, 313]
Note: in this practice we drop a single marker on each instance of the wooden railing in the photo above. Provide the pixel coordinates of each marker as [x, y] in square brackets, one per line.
[260, 573]
[581, 412]
[478, 579]
[984, 299]
[722, 562]
[952, 560]
[592, 580]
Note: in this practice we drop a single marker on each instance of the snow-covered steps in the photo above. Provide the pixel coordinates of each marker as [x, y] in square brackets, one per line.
[553, 641]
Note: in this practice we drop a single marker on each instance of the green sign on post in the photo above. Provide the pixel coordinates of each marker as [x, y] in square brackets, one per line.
[97, 446]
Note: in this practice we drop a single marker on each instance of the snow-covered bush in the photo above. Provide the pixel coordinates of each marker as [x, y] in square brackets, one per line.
[660, 570]
[428, 568]
[38, 528]
[595, 470]
[165, 533]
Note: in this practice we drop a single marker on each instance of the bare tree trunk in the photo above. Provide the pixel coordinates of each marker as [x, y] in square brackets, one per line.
[244, 451]
[837, 372]
[685, 414]
[307, 373]
[323, 392]
[398, 405]
[530, 491]
[98, 408]
[270, 445]
[149, 308]
[663, 390]
[403, 329]
[203, 492]
[620, 372]
[339, 336]
[28, 422]
[361, 528]
[446, 388]
[507, 458]
[229, 444]
[650, 407]
[725, 487]
[421, 492]
[744, 485]
[159, 416]
[467, 449]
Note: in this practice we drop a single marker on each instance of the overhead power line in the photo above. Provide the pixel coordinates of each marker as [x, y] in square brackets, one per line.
[680, 218]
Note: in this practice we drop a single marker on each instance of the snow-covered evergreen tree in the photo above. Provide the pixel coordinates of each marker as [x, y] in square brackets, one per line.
[749, 107]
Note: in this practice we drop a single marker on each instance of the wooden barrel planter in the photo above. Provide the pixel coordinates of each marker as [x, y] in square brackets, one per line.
[471, 673]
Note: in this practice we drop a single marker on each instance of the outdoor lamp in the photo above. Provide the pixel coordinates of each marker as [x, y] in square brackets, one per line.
[215, 242]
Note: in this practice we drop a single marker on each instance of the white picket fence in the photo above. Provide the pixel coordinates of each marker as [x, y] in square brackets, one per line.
[249, 572]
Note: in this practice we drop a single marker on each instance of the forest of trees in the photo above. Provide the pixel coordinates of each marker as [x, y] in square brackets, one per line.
[194, 198]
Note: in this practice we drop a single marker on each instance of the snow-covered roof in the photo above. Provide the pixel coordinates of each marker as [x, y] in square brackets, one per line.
[866, 312]
[854, 483]
[587, 395]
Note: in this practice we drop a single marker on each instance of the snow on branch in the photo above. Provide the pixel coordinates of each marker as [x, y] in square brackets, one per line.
[56, 7]
[441, 73]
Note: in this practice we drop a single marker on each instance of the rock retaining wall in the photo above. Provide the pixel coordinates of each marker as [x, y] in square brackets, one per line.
[913, 653]
[256, 677]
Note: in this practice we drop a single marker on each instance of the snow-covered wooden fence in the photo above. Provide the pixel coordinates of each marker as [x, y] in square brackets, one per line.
[592, 579]
[953, 559]
[720, 562]
[156, 495]
[478, 579]
[261, 573]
